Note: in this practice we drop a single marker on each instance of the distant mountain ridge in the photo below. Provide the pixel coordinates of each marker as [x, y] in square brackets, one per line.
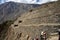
[11, 10]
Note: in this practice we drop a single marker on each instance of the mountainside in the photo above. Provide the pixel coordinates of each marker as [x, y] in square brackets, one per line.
[48, 13]
[30, 25]
[12, 10]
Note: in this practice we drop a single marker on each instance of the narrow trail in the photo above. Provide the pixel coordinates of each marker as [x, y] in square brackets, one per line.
[52, 24]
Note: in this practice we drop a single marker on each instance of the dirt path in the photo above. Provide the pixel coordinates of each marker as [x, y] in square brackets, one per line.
[42, 24]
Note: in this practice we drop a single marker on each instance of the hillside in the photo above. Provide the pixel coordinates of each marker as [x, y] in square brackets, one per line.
[11, 10]
[4, 27]
[48, 13]
[27, 26]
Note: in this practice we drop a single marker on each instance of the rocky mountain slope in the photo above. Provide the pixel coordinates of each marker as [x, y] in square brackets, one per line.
[48, 13]
[12, 10]
[28, 26]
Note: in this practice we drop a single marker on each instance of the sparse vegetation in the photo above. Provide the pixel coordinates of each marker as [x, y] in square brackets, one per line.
[4, 28]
